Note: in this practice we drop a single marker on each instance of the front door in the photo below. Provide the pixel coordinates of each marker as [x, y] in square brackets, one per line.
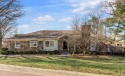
[65, 47]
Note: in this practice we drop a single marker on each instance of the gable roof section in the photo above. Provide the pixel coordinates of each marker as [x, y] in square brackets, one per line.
[44, 34]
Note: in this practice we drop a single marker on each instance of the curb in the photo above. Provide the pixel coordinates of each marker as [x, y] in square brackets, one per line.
[45, 72]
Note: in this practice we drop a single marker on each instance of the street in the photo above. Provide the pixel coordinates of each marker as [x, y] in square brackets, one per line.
[11, 73]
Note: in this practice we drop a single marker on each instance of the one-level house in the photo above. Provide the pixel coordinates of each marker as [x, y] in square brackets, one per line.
[50, 40]
[45, 40]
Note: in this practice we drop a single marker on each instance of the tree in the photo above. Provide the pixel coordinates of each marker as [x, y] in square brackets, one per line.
[85, 39]
[10, 10]
[90, 31]
[73, 39]
[98, 30]
[81, 39]
[116, 19]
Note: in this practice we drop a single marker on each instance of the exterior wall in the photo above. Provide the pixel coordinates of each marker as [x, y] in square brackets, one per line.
[120, 42]
[40, 45]
[60, 43]
[25, 46]
[93, 46]
[114, 43]
[50, 48]
[116, 49]
[11, 45]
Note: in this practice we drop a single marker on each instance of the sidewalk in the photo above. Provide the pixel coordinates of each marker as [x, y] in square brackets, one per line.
[44, 72]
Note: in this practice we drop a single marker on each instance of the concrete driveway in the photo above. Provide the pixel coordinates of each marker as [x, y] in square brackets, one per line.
[10, 70]
[12, 73]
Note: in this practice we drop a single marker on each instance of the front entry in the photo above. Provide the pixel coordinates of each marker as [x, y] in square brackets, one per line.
[65, 47]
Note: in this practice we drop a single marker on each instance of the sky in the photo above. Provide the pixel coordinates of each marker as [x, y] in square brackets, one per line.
[52, 14]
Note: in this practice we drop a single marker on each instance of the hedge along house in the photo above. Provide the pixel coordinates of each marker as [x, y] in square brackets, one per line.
[45, 40]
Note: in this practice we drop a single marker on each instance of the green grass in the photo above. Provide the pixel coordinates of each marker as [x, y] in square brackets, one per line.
[112, 65]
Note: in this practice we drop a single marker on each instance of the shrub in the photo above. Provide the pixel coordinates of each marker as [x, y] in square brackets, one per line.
[4, 49]
[56, 52]
[40, 52]
[1, 51]
[93, 52]
[15, 52]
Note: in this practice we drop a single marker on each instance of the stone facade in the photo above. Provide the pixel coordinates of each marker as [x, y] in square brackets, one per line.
[25, 46]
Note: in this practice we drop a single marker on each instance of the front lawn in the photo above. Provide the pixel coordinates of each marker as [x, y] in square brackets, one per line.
[114, 65]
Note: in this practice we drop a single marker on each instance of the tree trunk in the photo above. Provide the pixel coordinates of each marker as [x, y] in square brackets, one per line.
[0, 43]
[84, 51]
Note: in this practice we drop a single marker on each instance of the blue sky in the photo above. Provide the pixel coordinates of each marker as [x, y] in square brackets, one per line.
[52, 14]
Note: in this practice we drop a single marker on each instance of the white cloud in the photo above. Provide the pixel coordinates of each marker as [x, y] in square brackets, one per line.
[68, 27]
[43, 19]
[24, 27]
[84, 6]
[67, 19]
[27, 28]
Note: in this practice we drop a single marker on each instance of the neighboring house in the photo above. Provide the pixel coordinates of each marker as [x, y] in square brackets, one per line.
[117, 43]
[120, 43]
[117, 46]
[46, 40]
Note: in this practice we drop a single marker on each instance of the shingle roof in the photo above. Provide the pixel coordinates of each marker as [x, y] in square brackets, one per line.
[43, 34]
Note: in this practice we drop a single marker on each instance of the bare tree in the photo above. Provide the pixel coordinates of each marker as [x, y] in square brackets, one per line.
[73, 39]
[85, 38]
[76, 23]
[89, 29]
[10, 10]
[81, 37]
[95, 22]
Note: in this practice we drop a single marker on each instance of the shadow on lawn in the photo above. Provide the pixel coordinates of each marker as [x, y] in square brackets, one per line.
[15, 56]
[102, 59]
[117, 59]
[67, 62]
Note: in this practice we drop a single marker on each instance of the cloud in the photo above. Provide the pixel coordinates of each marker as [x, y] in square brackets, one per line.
[67, 19]
[27, 28]
[24, 27]
[68, 27]
[82, 7]
[43, 19]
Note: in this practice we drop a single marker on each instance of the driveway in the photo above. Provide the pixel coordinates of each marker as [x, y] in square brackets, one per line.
[10, 70]
[12, 73]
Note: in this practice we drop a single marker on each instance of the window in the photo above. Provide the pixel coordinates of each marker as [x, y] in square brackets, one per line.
[119, 44]
[111, 42]
[49, 43]
[33, 44]
[17, 44]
